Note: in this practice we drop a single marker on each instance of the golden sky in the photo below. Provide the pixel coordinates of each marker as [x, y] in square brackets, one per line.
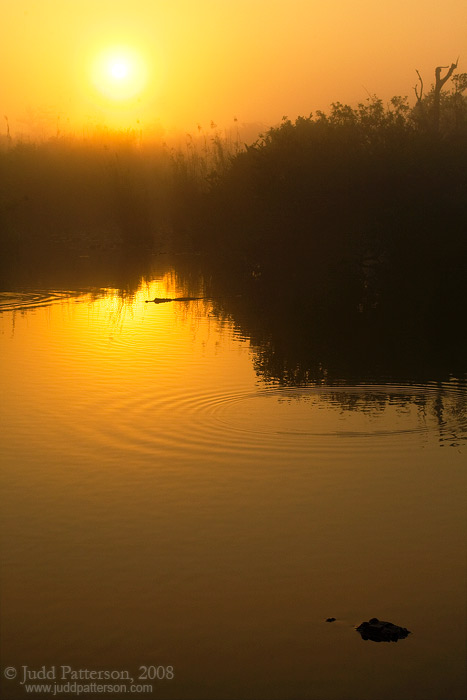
[193, 62]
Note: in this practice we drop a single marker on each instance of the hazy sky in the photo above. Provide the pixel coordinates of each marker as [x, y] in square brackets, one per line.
[194, 62]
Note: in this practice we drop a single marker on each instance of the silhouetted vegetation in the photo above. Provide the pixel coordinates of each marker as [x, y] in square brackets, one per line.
[360, 211]
[66, 197]
[365, 206]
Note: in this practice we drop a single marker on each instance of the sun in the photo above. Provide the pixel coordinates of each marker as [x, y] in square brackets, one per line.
[119, 69]
[119, 73]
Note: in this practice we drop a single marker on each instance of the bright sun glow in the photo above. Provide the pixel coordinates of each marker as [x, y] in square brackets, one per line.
[119, 70]
[119, 73]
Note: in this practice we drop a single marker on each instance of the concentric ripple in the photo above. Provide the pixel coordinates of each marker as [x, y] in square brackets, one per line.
[276, 420]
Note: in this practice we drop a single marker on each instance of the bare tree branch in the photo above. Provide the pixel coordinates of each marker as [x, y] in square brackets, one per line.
[439, 80]
[437, 91]
[419, 95]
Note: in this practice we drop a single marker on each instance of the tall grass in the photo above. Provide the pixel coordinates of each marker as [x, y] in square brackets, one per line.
[82, 195]
[105, 192]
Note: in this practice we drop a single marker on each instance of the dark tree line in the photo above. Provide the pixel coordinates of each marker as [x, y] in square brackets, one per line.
[361, 207]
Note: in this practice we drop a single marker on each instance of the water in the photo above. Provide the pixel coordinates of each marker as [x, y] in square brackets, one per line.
[168, 504]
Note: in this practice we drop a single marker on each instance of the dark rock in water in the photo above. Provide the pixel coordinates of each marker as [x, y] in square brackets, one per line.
[330, 619]
[380, 631]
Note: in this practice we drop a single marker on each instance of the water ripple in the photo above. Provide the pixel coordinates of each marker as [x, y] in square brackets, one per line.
[285, 421]
[33, 299]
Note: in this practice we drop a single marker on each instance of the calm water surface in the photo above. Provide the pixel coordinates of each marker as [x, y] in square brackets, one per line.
[165, 506]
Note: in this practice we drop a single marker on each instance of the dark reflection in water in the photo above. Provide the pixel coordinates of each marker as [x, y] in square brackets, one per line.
[443, 404]
[297, 343]
[385, 359]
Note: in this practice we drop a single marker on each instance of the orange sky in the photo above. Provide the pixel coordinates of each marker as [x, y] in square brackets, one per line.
[215, 60]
